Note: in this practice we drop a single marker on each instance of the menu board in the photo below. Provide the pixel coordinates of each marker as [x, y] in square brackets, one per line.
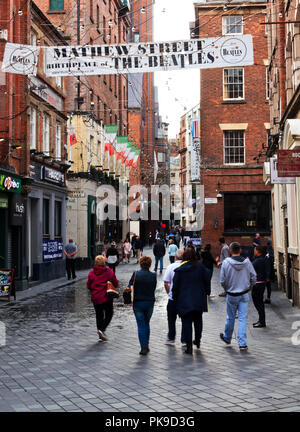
[7, 283]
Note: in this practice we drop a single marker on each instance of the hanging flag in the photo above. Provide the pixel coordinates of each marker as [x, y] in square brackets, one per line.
[155, 166]
[121, 146]
[110, 137]
[137, 154]
[131, 155]
[196, 128]
[73, 139]
[127, 151]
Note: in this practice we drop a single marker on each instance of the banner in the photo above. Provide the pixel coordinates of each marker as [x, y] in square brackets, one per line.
[110, 137]
[195, 159]
[20, 59]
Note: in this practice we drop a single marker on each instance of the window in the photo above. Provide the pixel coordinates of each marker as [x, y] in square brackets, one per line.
[46, 231]
[234, 147]
[57, 219]
[160, 157]
[56, 5]
[58, 140]
[232, 24]
[46, 133]
[32, 128]
[58, 81]
[247, 212]
[233, 84]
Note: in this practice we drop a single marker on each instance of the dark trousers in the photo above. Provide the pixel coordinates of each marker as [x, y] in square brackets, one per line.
[113, 267]
[70, 267]
[172, 259]
[161, 261]
[258, 300]
[269, 289]
[104, 314]
[187, 324]
[172, 316]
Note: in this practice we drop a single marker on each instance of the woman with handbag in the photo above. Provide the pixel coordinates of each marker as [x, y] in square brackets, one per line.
[97, 284]
[143, 285]
[112, 256]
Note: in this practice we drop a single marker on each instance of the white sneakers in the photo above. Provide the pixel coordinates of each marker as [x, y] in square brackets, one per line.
[102, 336]
[170, 342]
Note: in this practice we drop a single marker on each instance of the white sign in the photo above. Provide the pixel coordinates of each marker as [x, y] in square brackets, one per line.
[195, 159]
[211, 200]
[224, 51]
[274, 174]
[45, 92]
[20, 59]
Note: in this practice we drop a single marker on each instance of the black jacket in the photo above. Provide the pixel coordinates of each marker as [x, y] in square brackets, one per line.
[207, 260]
[138, 244]
[159, 249]
[144, 286]
[191, 286]
[111, 252]
[262, 267]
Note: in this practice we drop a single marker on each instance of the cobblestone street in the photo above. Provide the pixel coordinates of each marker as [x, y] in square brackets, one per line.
[53, 360]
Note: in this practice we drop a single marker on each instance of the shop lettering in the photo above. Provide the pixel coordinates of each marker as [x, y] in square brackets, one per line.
[296, 155]
[8, 183]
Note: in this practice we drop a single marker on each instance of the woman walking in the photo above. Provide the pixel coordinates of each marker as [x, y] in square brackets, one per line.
[172, 251]
[127, 250]
[97, 284]
[112, 256]
[190, 290]
[144, 282]
[208, 261]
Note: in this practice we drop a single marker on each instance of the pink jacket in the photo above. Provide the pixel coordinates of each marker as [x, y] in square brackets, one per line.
[127, 248]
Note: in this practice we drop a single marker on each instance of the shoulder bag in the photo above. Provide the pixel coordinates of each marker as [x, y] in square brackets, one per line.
[128, 293]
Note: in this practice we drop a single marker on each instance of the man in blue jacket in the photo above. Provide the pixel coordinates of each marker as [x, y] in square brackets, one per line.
[237, 277]
[262, 268]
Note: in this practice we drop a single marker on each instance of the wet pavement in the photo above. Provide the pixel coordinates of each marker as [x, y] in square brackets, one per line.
[53, 361]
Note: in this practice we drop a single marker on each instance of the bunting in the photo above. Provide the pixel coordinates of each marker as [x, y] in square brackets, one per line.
[73, 139]
[110, 137]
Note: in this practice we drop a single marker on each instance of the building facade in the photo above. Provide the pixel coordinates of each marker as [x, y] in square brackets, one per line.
[234, 129]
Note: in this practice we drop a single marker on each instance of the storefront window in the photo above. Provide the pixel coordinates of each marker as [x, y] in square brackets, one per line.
[247, 212]
[55, 5]
[57, 221]
[46, 230]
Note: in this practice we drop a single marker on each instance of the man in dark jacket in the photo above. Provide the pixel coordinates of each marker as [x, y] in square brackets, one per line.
[159, 251]
[190, 290]
[262, 268]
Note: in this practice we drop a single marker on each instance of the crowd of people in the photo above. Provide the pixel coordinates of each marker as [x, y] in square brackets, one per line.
[187, 281]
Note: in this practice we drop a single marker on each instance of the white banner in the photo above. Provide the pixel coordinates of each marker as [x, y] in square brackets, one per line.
[149, 57]
[20, 59]
[195, 159]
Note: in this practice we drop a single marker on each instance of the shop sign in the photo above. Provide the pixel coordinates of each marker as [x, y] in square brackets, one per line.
[35, 170]
[41, 89]
[275, 179]
[211, 200]
[17, 210]
[10, 184]
[3, 201]
[52, 250]
[54, 176]
[289, 163]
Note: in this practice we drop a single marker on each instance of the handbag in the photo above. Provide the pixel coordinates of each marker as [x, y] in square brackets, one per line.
[128, 293]
[112, 259]
[111, 291]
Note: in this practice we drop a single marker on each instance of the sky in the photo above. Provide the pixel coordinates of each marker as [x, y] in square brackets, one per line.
[178, 91]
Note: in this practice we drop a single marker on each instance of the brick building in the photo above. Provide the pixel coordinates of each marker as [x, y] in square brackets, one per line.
[283, 30]
[234, 128]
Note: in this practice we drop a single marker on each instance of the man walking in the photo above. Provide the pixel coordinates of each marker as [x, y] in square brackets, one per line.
[133, 240]
[223, 255]
[138, 248]
[171, 307]
[159, 251]
[237, 278]
[262, 268]
[70, 251]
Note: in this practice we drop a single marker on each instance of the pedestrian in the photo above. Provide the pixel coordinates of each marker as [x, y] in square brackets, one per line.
[261, 267]
[178, 239]
[171, 306]
[97, 284]
[159, 252]
[190, 291]
[138, 246]
[133, 240]
[270, 264]
[127, 250]
[237, 277]
[150, 239]
[172, 251]
[157, 235]
[144, 282]
[223, 255]
[190, 244]
[208, 261]
[70, 251]
[112, 256]
[256, 241]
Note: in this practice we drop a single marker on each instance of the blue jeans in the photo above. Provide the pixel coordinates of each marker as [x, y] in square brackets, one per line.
[234, 304]
[161, 261]
[143, 312]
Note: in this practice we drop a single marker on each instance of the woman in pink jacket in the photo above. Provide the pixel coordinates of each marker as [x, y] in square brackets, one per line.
[127, 250]
[97, 284]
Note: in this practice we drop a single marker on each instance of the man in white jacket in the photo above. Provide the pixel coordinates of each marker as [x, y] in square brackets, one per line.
[237, 277]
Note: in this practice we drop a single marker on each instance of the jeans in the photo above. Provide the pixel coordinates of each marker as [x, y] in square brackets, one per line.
[172, 259]
[104, 313]
[143, 312]
[240, 304]
[172, 316]
[161, 261]
[258, 300]
[70, 267]
[187, 326]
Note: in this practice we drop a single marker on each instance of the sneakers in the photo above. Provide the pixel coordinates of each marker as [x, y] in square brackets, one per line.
[144, 351]
[223, 339]
[243, 348]
[258, 325]
[170, 342]
[102, 335]
[197, 343]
